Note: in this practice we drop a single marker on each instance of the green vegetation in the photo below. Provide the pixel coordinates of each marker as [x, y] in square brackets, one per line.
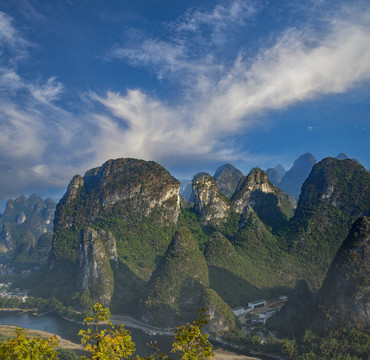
[175, 289]
[25, 348]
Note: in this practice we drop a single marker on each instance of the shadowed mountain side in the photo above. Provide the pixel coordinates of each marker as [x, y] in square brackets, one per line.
[293, 179]
[127, 289]
[239, 274]
[294, 315]
[227, 178]
[271, 204]
[176, 288]
[344, 299]
[234, 290]
[273, 176]
[333, 196]
[60, 282]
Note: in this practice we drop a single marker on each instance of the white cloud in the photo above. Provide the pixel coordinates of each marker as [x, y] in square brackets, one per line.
[193, 36]
[11, 39]
[220, 18]
[47, 92]
[300, 66]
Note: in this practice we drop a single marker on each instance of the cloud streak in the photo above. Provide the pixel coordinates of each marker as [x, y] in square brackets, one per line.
[227, 100]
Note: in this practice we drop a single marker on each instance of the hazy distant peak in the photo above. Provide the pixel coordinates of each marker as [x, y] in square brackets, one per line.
[227, 178]
[342, 156]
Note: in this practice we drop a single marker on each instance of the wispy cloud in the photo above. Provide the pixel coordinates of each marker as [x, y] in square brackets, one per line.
[32, 129]
[11, 40]
[216, 24]
[189, 43]
[227, 99]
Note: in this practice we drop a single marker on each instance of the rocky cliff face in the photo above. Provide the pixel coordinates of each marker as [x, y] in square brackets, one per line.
[125, 188]
[97, 251]
[210, 203]
[22, 224]
[292, 181]
[140, 187]
[344, 299]
[227, 178]
[271, 204]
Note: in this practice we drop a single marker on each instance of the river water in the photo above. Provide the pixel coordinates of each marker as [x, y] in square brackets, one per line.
[69, 330]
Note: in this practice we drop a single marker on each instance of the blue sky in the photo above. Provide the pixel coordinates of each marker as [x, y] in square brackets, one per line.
[190, 84]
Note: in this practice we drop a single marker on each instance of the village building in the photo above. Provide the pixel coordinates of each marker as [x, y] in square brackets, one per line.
[257, 304]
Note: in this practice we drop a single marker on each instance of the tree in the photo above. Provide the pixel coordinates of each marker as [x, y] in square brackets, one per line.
[190, 343]
[25, 348]
[106, 344]
[288, 347]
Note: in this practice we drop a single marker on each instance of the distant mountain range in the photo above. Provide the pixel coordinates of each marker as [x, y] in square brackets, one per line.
[26, 228]
[121, 236]
[290, 181]
[124, 236]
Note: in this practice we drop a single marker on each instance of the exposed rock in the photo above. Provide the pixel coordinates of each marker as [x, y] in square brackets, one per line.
[96, 273]
[110, 245]
[292, 181]
[210, 203]
[74, 188]
[141, 187]
[6, 239]
[20, 218]
[344, 299]
[271, 204]
[227, 178]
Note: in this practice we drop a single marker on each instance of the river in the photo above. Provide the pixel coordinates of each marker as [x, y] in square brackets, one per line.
[69, 330]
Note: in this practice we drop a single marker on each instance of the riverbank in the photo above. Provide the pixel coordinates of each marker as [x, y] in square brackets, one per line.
[221, 354]
[7, 331]
[130, 322]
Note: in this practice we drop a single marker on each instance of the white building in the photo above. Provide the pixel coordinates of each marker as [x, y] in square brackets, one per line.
[257, 304]
[241, 310]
